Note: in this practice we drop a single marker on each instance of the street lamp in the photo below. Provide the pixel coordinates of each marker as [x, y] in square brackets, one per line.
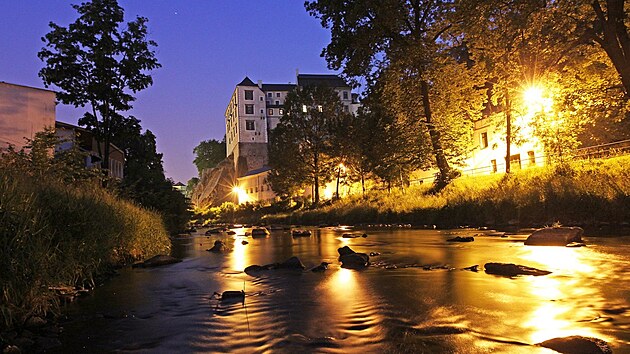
[339, 168]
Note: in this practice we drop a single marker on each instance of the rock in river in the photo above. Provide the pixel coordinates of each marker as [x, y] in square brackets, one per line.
[156, 261]
[512, 270]
[577, 345]
[219, 247]
[351, 259]
[461, 239]
[555, 236]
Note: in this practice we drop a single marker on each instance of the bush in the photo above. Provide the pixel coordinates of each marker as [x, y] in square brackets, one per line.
[58, 226]
[579, 193]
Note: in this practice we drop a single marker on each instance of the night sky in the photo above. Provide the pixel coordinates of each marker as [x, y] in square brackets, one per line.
[205, 47]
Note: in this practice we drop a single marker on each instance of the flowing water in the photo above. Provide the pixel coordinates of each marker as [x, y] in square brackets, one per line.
[412, 308]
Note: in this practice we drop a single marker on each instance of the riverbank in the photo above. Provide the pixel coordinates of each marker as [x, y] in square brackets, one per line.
[592, 194]
[56, 236]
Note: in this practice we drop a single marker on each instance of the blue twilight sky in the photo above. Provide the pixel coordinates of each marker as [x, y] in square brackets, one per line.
[205, 47]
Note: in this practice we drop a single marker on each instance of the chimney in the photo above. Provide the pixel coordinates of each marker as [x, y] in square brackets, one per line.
[260, 84]
[297, 73]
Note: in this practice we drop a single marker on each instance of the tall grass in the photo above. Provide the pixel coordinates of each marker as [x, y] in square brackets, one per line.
[578, 193]
[54, 234]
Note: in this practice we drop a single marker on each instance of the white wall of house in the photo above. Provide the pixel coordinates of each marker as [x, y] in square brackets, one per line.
[24, 111]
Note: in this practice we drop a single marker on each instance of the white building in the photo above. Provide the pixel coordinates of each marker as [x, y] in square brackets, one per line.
[254, 110]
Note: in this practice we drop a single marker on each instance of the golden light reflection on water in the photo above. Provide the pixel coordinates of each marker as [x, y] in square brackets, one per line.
[556, 314]
[559, 258]
[239, 257]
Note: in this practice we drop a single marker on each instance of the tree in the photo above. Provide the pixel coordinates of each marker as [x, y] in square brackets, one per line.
[97, 63]
[526, 44]
[405, 44]
[144, 180]
[209, 153]
[301, 149]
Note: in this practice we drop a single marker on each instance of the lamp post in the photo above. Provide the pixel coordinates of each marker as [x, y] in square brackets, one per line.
[339, 168]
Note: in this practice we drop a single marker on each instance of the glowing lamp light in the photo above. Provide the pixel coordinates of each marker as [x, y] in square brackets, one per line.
[533, 96]
[537, 100]
[241, 194]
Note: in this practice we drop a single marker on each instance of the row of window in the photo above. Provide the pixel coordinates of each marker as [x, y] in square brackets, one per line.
[249, 109]
[263, 188]
[270, 111]
[515, 161]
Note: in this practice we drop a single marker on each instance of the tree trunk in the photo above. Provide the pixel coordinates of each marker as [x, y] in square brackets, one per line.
[508, 132]
[615, 41]
[436, 140]
[316, 179]
[362, 183]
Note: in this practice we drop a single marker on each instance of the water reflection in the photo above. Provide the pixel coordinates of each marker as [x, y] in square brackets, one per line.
[558, 312]
[407, 309]
[239, 257]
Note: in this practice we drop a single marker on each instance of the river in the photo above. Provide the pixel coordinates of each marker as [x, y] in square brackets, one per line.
[382, 309]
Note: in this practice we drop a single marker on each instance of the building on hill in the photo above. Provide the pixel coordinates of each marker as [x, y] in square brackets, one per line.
[253, 111]
[24, 111]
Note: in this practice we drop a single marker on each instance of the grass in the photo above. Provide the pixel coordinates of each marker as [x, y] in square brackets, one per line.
[589, 192]
[53, 234]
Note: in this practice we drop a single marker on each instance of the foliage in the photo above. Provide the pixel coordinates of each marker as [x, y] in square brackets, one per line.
[97, 63]
[407, 47]
[144, 181]
[209, 153]
[301, 150]
[584, 193]
[58, 228]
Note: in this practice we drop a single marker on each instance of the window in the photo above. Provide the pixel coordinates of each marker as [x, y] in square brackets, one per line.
[532, 158]
[515, 161]
[249, 94]
[281, 111]
[270, 94]
[277, 103]
[320, 108]
[304, 108]
[256, 189]
[494, 165]
[261, 98]
[249, 109]
[249, 125]
[277, 94]
[483, 140]
[346, 109]
[270, 111]
[345, 95]
[262, 111]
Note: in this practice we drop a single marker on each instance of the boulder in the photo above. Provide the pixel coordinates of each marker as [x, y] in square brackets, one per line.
[345, 250]
[231, 296]
[512, 270]
[577, 345]
[219, 247]
[461, 239]
[351, 259]
[291, 263]
[157, 261]
[555, 236]
[320, 268]
[355, 260]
